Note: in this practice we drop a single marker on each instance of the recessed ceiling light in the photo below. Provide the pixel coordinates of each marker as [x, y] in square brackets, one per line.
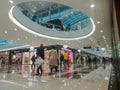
[11, 1]
[101, 31]
[103, 49]
[6, 32]
[92, 6]
[15, 29]
[98, 22]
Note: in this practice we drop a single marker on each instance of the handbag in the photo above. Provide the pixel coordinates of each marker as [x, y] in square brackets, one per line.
[39, 61]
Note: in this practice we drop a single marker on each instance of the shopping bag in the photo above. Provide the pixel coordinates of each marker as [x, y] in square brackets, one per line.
[39, 61]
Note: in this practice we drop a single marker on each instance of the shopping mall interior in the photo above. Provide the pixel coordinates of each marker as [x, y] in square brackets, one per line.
[80, 41]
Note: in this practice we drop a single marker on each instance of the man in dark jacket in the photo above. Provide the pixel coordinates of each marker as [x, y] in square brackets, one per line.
[40, 52]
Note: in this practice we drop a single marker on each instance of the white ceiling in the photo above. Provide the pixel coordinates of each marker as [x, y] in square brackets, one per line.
[101, 12]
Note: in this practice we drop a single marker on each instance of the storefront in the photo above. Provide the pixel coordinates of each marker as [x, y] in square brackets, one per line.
[4, 57]
[19, 57]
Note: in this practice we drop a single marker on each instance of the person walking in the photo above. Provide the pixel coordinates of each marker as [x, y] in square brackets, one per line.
[53, 61]
[61, 60]
[65, 60]
[104, 62]
[40, 53]
[33, 61]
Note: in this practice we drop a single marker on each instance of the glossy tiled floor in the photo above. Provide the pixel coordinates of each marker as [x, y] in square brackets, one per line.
[19, 78]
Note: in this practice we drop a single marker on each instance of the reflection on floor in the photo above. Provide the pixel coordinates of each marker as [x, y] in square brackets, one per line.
[17, 77]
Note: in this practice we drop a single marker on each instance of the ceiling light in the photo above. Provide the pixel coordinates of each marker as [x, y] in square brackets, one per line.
[6, 32]
[101, 31]
[15, 29]
[98, 22]
[106, 78]
[103, 49]
[92, 6]
[11, 1]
